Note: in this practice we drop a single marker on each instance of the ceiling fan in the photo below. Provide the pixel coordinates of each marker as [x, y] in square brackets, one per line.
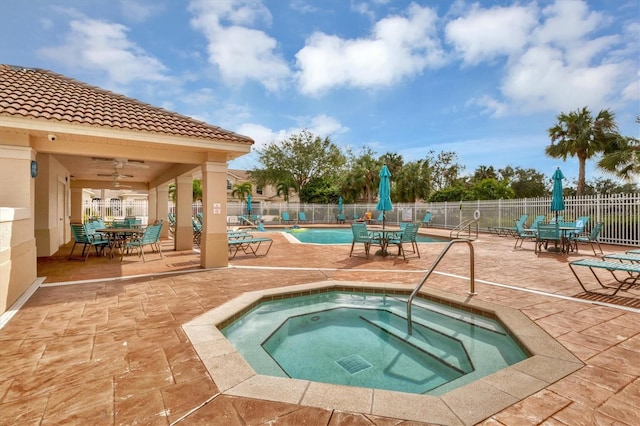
[119, 163]
[116, 175]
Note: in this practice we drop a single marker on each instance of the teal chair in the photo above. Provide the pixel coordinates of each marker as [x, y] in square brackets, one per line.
[150, 237]
[302, 217]
[591, 238]
[522, 234]
[547, 232]
[409, 238]
[362, 236]
[426, 220]
[81, 235]
[341, 218]
[285, 217]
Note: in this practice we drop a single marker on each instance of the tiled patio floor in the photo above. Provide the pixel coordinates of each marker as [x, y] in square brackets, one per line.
[112, 351]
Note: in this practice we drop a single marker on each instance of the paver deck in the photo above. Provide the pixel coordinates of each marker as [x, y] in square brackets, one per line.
[100, 342]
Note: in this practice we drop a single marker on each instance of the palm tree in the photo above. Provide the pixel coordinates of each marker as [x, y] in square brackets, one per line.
[241, 190]
[622, 157]
[579, 134]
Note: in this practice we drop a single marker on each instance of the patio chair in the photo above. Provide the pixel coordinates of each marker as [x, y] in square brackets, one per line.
[630, 277]
[408, 237]
[150, 237]
[82, 236]
[547, 232]
[503, 231]
[536, 220]
[341, 218]
[521, 234]
[249, 245]
[302, 217]
[285, 217]
[361, 236]
[197, 230]
[426, 220]
[591, 238]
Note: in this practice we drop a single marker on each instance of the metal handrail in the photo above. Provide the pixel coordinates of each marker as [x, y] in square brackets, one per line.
[466, 225]
[472, 282]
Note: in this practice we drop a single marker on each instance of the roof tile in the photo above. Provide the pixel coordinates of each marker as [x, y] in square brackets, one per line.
[42, 94]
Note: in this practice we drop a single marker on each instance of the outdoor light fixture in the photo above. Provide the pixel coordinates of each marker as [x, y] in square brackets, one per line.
[51, 137]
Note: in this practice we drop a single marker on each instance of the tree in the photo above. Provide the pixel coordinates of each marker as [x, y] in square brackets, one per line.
[581, 135]
[363, 176]
[528, 183]
[298, 159]
[445, 170]
[489, 189]
[196, 191]
[241, 190]
[412, 182]
[622, 157]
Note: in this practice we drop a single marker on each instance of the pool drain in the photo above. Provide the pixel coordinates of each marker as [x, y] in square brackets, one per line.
[353, 363]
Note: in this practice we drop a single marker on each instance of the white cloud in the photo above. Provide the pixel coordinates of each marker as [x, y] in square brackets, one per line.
[483, 34]
[239, 52]
[554, 61]
[399, 47]
[138, 11]
[97, 45]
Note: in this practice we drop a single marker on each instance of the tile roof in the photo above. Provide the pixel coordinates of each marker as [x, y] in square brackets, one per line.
[44, 95]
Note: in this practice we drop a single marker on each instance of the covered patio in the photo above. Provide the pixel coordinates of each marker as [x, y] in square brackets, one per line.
[59, 136]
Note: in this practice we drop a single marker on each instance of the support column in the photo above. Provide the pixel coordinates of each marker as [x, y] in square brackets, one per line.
[162, 208]
[183, 238]
[214, 250]
[76, 205]
[152, 206]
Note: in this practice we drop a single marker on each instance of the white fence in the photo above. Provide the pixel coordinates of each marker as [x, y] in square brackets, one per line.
[619, 213]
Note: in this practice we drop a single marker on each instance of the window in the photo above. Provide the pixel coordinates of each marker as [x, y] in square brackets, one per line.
[259, 190]
[228, 185]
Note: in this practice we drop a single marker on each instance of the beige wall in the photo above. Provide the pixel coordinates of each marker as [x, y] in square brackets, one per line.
[18, 266]
[48, 219]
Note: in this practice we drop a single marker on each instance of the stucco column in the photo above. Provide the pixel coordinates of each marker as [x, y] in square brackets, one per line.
[152, 206]
[183, 238]
[214, 251]
[76, 205]
[162, 208]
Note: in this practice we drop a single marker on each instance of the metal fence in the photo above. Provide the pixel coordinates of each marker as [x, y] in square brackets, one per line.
[619, 213]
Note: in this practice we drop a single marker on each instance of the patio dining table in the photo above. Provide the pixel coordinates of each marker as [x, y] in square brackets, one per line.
[118, 237]
[385, 234]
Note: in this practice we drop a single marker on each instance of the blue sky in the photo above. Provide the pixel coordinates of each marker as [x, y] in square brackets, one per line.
[484, 79]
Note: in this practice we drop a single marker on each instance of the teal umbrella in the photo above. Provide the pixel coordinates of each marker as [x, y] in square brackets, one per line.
[384, 192]
[249, 204]
[339, 204]
[557, 200]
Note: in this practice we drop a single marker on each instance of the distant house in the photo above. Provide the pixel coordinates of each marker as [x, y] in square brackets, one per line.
[260, 194]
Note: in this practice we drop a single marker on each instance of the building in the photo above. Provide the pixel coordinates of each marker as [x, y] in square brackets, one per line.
[60, 137]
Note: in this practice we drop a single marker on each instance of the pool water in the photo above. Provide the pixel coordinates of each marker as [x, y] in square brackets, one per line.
[360, 339]
[338, 236]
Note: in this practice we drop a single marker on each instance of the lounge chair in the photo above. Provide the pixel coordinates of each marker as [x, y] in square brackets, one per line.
[631, 277]
[536, 220]
[285, 217]
[82, 236]
[546, 233]
[634, 251]
[426, 220]
[521, 234]
[591, 239]
[408, 237]
[150, 237]
[341, 218]
[502, 231]
[622, 257]
[249, 245]
[302, 217]
[362, 236]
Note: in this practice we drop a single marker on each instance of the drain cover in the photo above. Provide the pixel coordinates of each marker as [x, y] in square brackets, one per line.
[353, 363]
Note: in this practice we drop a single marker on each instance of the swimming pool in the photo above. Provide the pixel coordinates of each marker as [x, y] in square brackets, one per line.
[360, 339]
[336, 235]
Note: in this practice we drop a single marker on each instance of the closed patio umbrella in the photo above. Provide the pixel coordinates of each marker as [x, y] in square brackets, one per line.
[249, 204]
[384, 192]
[339, 204]
[557, 199]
